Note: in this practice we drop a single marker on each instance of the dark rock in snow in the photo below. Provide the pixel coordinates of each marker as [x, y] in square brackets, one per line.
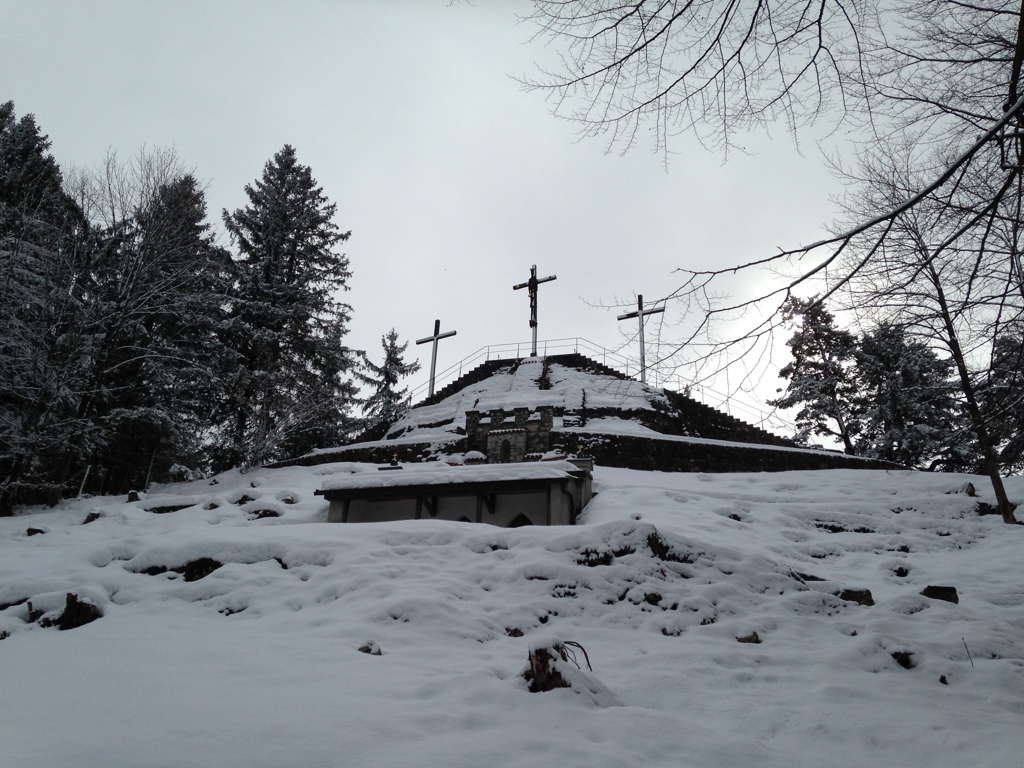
[199, 568]
[967, 488]
[34, 531]
[903, 658]
[168, 509]
[262, 514]
[592, 558]
[941, 593]
[859, 596]
[751, 638]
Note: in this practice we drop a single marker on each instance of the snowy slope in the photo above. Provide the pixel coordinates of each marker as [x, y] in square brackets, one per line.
[616, 402]
[257, 663]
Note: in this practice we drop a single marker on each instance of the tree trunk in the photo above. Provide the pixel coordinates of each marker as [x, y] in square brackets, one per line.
[973, 410]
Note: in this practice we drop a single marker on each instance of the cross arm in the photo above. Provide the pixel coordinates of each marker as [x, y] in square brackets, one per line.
[638, 313]
[438, 337]
[538, 281]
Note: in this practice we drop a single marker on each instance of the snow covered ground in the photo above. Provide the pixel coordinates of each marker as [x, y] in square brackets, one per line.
[257, 662]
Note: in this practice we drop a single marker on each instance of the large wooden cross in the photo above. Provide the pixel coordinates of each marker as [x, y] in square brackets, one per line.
[532, 284]
[641, 313]
[433, 356]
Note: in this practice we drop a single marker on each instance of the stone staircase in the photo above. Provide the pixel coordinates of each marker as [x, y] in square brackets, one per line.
[575, 402]
[481, 372]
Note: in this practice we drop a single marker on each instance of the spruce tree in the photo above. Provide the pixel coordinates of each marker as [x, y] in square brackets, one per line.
[288, 388]
[43, 273]
[906, 410]
[818, 375]
[1002, 399]
[161, 286]
[387, 402]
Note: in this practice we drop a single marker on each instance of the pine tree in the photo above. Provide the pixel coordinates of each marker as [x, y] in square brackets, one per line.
[387, 402]
[906, 410]
[819, 373]
[288, 389]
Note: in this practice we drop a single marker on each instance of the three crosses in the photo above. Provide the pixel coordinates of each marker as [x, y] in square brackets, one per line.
[531, 285]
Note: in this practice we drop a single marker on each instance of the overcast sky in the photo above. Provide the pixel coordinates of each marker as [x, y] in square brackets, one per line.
[452, 179]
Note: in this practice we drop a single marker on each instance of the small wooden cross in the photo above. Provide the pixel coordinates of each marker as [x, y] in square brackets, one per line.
[640, 313]
[433, 356]
[532, 284]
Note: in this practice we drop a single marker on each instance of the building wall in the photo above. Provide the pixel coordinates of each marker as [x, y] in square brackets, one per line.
[555, 506]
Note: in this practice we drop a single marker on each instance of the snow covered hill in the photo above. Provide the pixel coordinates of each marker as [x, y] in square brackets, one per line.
[525, 383]
[595, 408]
[233, 618]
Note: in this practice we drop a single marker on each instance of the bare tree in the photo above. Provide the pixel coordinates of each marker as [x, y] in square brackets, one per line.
[710, 67]
[948, 269]
[941, 75]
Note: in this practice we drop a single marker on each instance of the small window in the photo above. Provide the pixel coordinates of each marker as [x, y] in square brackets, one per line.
[506, 452]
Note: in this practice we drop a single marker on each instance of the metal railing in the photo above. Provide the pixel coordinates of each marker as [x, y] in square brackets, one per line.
[520, 349]
[746, 411]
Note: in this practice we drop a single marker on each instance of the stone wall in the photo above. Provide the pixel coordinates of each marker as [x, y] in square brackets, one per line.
[632, 452]
[624, 451]
[535, 426]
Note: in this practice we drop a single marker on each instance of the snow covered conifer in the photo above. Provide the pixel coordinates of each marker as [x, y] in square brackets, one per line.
[819, 373]
[288, 387]
[161, 285]
[387, 402]
[1002, 399]
[42, 232]
[905, 405]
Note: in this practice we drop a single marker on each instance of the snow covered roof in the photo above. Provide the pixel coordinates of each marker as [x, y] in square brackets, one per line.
[518, 387]
[439, 473]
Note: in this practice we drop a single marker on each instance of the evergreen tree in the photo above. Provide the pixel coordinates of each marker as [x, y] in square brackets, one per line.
[161, 285]
[42, 296]
[387, 403]
[1002, 399]
[905, 406]
[818, 375]
[288, 388]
